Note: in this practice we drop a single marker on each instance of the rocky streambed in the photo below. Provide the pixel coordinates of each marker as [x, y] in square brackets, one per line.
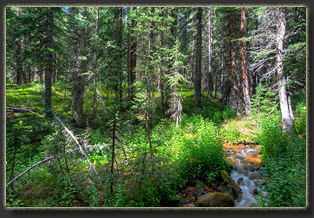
[236, 188]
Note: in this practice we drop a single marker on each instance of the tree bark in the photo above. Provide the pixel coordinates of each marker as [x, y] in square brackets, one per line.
[210, 52]
[95, 67]
[48, 65]
[19, 68]
[79, 81]
[245, 81]
[120, 56]
[232, 58]
[284, 106]
[113, 151]
[132, 63]
[198, 59]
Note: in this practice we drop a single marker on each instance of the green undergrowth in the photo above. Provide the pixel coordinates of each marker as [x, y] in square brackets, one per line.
[284, 160]
[148, 172]
[240, 129]
[180, 155]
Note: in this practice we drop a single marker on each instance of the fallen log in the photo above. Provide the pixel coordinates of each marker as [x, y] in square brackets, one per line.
[21, 110]
[125, 156]
[38, 163]
[28, 169]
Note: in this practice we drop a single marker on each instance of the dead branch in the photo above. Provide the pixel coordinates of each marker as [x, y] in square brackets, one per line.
[80, 147]
[28, 169]
[21, 110]
[125, 156]
[40, 162]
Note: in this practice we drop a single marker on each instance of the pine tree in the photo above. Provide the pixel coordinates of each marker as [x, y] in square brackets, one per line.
[245, 82]
[198, 59]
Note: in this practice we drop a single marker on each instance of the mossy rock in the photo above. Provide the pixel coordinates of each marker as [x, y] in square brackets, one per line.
[215, 200]
[199, 184]
[231, 182]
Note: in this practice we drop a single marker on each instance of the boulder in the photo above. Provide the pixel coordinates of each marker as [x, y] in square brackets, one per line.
[199, 184]
[254, 176]
[200, 187]
[232, 183]
[215, 200]
[229, 190]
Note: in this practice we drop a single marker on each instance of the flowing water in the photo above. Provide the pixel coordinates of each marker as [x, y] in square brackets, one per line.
[245, 172]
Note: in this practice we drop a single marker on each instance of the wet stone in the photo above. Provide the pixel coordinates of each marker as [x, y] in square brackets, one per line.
[183, 201]
[201, 190]
[194, 194]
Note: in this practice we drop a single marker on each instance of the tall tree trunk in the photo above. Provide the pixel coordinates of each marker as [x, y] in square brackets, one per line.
[79, 82]
[210, 52]
[284, 106]
[19, 67]
[232, 57]
[95, 67]
[132, 63]
[245, 81]
[113, 148]
[120, 56]
[198, 59]
[48, 65]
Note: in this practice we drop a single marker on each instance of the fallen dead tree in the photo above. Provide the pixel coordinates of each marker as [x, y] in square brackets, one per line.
[28, 169]
[38, 163]
[21, 110]
[51, 157]
[80, 147]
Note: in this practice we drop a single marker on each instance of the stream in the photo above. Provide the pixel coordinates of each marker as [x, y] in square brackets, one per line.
[246, 162]
[245, 172]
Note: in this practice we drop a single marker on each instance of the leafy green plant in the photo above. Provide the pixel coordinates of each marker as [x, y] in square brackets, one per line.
[200, 155]
[263, 100]
[284, 165]
[231, 133]
[229, 113]
[271, 137]
[300, 119]
[218, 117]
[284, 180]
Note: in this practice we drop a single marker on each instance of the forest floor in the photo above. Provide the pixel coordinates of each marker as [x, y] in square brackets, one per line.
[27, 132]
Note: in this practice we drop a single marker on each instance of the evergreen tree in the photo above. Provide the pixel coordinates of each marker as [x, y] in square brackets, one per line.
[198, 59]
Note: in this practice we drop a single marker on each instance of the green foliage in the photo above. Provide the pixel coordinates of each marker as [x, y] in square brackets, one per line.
[263, 100]
[12, 202]
[284, 171]
[300, 119]
[229, 113]
[200, 154]
[271, 137]
[284, 180]
[231, 133]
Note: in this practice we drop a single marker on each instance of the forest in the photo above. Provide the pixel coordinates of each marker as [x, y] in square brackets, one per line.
[156, 106]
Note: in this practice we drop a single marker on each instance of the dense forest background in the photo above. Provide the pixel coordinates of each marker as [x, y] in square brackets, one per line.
[121, 103]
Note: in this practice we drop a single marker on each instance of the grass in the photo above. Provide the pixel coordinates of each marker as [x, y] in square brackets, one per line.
[240, 129]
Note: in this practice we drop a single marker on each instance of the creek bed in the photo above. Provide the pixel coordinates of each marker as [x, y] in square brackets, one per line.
[245, 171]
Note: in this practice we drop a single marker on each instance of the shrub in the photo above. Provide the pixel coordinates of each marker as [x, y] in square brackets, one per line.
[201, 154]
[285, 183]
[271, 137]
[229, 113]
[284, 165]
[231, 133]
[218, 118]
[300, 119]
